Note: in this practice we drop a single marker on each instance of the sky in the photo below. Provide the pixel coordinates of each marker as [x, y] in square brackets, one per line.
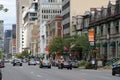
[85, 5]
[10, 16]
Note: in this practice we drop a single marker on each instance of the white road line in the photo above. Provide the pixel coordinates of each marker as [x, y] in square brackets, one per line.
[39, 76]
[20, 67]
[31, 72]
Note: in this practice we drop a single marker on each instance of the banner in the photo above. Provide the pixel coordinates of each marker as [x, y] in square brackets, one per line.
[91, 35]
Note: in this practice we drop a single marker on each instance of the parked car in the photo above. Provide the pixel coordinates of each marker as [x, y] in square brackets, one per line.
[45, 63]
[24, 60]
[31, 62]
[74, 63]
[37, 62]
[17, 62]
[6, 61]
[11, 61]
[1, 64]
[65, 64]
[116, 68]
[54, 63]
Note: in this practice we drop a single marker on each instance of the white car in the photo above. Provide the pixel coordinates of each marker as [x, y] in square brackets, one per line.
[31, 62]
[37, 62]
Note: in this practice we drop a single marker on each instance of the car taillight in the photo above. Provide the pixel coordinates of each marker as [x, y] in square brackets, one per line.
[62, 62]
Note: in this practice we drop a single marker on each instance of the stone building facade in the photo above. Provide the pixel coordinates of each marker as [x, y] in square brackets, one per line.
[106, 23]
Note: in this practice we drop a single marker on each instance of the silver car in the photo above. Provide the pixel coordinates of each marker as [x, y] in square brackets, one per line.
[31, 62]
[45, 63]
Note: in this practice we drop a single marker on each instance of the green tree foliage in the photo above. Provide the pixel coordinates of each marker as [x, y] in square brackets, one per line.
[18, 55]
[2, 8]
[56, 45]
[25, 53]
[1, 55]
[9, 55]
[80, 42]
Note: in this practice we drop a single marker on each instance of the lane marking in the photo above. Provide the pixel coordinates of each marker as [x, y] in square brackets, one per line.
[82, 79]
[31, 72]
[39, 76]
[20, 67]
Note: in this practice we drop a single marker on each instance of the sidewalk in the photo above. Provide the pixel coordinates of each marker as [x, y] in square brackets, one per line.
[106, 68]
[99, 68]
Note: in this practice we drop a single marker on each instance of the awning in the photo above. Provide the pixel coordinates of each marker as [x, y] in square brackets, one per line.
[101, 27]
[119, 44]
[97, 44]
[112, 43]
[108, 26]
[104, 44]
[116, 23]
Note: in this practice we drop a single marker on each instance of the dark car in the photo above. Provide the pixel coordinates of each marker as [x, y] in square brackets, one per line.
[45, 63]
[17, 62]
[65, 64]
[75, 64]
[116, 68]
[1, 66]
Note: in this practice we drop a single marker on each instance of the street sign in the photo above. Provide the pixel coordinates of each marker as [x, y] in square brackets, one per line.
[91, 43]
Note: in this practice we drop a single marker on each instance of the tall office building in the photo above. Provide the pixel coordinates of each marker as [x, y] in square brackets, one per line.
[13, 40]
[70, 8]
[47, 9]
[20, 5]
[30, 27]
[7, 40]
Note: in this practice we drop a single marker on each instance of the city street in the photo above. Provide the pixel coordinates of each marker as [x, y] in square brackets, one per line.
[35, 73]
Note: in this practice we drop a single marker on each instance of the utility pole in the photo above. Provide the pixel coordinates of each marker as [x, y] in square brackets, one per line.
[94, 49]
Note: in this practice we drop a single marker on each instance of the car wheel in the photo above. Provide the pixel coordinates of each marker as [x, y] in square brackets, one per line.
[49, 67]
[113, 73]
[20, 64]
[40, 66]
[58, 67]
[13, 64]
[61, 68]
[70, 68]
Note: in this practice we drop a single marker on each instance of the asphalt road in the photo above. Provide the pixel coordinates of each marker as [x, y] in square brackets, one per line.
[35, 73]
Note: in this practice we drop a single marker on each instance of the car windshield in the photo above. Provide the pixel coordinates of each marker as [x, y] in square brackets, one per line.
[17, 60]
[45, 60]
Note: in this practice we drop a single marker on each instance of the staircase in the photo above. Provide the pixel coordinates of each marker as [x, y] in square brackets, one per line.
[111, 61]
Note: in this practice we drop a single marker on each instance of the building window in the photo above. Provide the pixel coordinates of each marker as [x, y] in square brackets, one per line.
[66, 6]
[116, 24]
[65, 16]
[101, 29]
[109, 11]
[108, 28]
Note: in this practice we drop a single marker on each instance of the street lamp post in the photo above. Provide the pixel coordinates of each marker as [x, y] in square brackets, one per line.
[95, 51]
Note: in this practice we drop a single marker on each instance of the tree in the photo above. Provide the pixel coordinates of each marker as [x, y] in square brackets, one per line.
[56, 45]
[25, 53]
[80, 44]
[18, 55]
[2, 8]
[1, 54]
